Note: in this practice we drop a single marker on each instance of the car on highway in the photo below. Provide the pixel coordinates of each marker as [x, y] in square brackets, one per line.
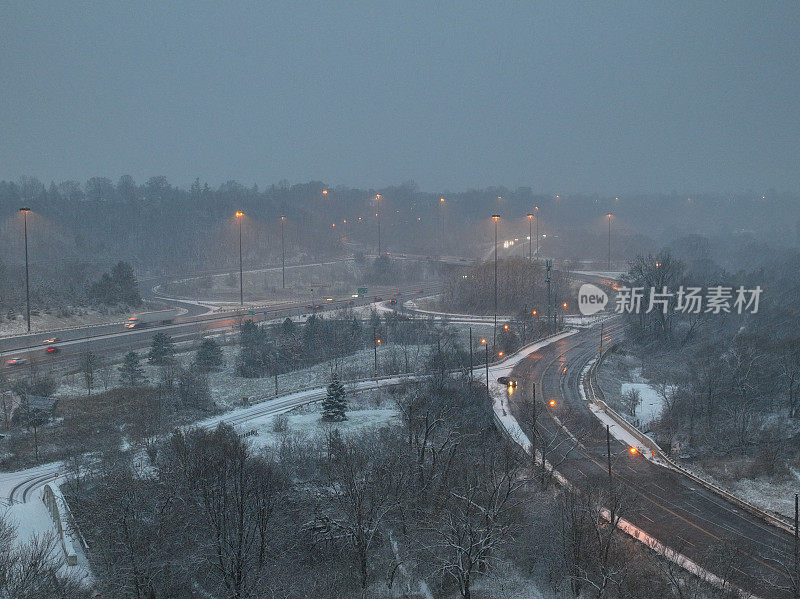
[393, 302]
[15, 362]
[507, 381]
[378, 298]
[52, 349]
[51, 340]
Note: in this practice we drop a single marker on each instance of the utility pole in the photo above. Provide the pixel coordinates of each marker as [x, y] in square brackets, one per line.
[609, 242]
[536, 210]
[470, 358]
[548, 266]
[601, 338]
[796, 583]
[610, 477]
[533, 427]
[486, 347]
[27, 281]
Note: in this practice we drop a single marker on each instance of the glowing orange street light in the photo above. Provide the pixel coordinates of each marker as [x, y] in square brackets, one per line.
[500, 354]
[633, 450]
[552, 403]
[378, 341]
[333, 225]
[239, 214]
[442, 200]
[534, 312]
[505, 326]
[324, 192]
[483, 341]
[564, 305]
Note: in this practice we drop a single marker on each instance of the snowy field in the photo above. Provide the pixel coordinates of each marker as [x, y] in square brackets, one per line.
[228, 389]
[366, 411]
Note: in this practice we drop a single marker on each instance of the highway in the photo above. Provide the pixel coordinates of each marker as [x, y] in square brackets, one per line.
[714, 533]
[725, 539]
[114, 339]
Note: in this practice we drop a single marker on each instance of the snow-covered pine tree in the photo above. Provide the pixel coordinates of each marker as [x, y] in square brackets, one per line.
[334, 405]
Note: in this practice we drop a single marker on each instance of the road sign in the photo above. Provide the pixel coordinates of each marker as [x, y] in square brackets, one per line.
[251, 312]
[362, 291]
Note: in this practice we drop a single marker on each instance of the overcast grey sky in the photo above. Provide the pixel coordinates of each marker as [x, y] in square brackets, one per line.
[576, 97]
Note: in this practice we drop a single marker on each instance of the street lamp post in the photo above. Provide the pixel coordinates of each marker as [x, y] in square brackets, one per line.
[609, 241]
[378, 217]
[239, 217]
[27, 280]
[441, 226]
[283, 255]
[495, 218]
[530, 236]
[536, 210]
[375, 344]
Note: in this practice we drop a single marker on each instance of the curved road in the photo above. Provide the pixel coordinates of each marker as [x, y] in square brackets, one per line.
[723, 538]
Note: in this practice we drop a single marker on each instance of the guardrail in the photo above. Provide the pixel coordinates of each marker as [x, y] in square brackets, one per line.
[589, 382]
[56, 505]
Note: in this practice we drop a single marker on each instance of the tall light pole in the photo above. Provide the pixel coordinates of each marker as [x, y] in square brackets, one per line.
[530, 236]
[378, 218]
[536, 210]
[375, 343]
[283, 255]
[442, 202]
[609, 241]
[240, 217]
[495, 218]
[27, 280]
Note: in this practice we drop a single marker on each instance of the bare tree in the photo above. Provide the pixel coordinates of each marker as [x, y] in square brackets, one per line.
[473, 518]
[88, 365]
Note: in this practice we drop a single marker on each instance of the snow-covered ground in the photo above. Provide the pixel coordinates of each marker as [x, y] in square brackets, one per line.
[306, 422]
[652, 402]
[31, 518]
[771, 494]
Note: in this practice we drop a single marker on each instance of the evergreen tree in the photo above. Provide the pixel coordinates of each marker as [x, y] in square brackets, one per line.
[288, 328]
[193, 389]
[334, 405]
[253, 352]
[162, 349]
[208, 357]
[131, 372]
[118, 287]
